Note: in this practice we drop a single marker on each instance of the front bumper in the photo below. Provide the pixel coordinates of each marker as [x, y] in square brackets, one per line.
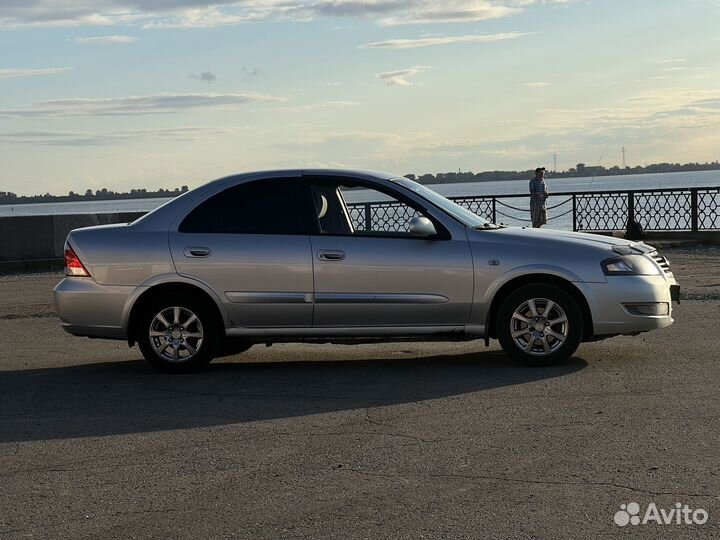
[87, 308]
[606, 303]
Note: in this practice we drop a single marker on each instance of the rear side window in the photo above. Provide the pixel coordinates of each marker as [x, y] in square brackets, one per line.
[260, 207]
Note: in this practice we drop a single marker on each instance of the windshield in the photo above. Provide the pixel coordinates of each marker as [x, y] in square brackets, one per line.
[463, 215]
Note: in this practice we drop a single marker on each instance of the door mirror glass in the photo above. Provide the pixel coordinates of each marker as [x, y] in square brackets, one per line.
[421, 226]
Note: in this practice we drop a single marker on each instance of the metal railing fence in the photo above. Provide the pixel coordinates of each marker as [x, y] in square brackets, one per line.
[676, 209]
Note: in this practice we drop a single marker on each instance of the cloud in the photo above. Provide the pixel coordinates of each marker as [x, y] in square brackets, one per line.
[134, 105]
[656, 125]
[644, 123]
[708, 103]
[387, 12]
[400, 77]
[650, 113]
[75, 13]
[31, 72]
[353, 148]
[433, 41]
[514, 149]
[83, 138]
[452, 12]
[207, 17]
[207, 76]
[212, 13]
[536, 84]
[671, 61]
[315, 106]
[105, 40]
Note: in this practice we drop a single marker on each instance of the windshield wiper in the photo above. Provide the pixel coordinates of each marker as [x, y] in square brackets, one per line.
[486, 226]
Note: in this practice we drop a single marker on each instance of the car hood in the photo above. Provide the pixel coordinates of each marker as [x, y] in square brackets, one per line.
[553, 236]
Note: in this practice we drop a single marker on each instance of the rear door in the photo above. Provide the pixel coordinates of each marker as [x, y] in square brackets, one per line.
[371, 271]
[249, 244]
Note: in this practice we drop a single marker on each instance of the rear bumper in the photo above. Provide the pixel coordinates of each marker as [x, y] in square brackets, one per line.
[87, 308]
[606, 303]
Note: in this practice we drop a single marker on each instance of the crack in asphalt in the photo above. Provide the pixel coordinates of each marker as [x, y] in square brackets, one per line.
[369, 420]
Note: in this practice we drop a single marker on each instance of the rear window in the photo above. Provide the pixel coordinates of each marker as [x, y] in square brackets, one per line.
[260, 207]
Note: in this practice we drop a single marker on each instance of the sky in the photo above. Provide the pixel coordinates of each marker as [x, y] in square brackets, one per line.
[123, 94]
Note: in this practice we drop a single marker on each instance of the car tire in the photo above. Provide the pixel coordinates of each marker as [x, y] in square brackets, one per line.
[551, 337]
[179, 334]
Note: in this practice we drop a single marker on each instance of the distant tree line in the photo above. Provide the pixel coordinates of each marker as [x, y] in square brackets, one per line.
[581, 169]
[103, 194]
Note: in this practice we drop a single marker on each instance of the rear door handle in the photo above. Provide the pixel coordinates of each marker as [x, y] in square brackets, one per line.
[197, 251]
[331, 255]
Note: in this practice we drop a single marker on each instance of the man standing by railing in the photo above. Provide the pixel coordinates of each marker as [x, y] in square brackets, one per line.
[538, 198]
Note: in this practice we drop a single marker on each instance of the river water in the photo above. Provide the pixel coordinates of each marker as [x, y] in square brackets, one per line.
[503, 187]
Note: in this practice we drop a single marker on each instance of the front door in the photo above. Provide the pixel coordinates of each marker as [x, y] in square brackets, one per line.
[371, 271]
[249, 245]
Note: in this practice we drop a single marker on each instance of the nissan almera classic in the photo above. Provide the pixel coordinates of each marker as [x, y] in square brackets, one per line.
[351, 257]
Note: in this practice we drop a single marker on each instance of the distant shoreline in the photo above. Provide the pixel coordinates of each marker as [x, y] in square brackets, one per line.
[110, 196]
[581, 171]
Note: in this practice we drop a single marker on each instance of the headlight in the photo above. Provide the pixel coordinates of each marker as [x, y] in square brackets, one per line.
[630, 265]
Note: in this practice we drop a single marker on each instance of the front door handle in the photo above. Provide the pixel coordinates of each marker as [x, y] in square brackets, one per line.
[197, 251]
[331, 255]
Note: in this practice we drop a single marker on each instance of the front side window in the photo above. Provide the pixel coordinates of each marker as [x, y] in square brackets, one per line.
[344, 207]
[258, 207]
[463, 215]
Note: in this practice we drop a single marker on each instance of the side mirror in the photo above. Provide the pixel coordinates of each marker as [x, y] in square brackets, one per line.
[422, 226]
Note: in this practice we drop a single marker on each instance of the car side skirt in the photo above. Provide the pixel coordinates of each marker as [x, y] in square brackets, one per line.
[290, 334]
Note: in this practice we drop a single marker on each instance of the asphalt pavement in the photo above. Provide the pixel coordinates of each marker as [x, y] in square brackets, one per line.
[410, 440]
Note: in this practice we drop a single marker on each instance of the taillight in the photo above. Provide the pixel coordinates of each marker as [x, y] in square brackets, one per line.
[73, 265]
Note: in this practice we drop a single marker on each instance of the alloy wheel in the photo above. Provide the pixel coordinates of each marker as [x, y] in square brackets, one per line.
[539, 327]
[176, 334]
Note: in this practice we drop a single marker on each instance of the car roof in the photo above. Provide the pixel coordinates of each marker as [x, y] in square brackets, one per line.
[309, 172]
[165, 212]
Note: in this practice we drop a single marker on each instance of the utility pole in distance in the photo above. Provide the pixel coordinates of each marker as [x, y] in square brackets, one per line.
[554, 163]
[623, 151]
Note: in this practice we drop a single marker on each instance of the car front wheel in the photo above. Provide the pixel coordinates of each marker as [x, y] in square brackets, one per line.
[540, 325]
[178, 334]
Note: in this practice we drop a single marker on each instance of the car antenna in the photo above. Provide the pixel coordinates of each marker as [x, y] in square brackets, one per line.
[596, 170]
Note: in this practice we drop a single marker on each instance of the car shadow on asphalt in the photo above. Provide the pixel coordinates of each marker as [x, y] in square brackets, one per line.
[129, 397]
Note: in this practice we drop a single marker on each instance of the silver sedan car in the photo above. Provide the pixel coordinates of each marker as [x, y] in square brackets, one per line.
[349, 257]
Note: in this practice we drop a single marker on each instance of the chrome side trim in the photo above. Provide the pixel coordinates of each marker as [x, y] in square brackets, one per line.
[377, 298]
[237, 297]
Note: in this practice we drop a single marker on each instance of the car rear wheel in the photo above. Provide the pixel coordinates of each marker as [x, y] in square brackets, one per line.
[540, 325]
[178, 334]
